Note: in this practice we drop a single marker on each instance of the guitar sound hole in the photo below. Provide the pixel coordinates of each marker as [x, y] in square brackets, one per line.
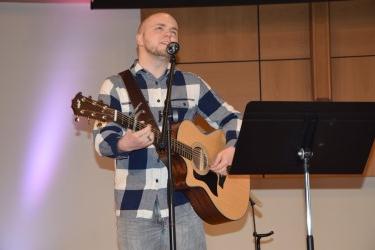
[200, 159]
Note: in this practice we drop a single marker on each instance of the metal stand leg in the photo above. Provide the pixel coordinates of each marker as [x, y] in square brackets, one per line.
[257, 237]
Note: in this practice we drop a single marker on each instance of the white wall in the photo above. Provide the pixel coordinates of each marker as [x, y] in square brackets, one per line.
[56, 194]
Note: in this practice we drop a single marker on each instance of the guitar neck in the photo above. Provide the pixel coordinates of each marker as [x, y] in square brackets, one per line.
[129, 122]
[97, 110]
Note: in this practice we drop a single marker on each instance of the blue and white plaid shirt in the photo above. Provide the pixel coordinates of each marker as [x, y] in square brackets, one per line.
[140, 176]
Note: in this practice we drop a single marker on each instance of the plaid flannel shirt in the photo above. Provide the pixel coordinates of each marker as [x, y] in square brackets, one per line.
[140, 176]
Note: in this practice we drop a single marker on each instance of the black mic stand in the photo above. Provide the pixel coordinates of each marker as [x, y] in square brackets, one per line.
[166, 143]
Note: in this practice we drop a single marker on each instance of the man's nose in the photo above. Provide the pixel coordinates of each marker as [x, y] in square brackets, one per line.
[171, 36]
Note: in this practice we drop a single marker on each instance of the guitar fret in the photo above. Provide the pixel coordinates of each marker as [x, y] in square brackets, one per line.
[188, 154]
[183, 150]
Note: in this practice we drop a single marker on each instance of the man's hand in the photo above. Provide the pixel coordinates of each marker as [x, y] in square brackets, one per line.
[136, 140]
[223, 159]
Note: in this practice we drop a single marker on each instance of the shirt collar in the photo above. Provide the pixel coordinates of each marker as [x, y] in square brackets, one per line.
[136, 67]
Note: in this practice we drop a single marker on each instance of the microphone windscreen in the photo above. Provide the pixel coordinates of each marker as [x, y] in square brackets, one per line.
[173, 48]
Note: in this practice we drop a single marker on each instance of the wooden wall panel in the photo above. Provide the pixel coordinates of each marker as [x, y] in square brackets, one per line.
[212, 34]
[352, 28]
[353, 79]
[284, 31]
[228, 38]
[237, 83]
[288, 80]
[353, 39]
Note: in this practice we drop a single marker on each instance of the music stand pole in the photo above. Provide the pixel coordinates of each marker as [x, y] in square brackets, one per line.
[306, 156]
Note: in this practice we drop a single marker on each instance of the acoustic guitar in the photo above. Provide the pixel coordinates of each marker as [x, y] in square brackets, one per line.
[215, 198]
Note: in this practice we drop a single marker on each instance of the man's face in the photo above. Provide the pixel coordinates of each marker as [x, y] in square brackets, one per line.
[156, 33]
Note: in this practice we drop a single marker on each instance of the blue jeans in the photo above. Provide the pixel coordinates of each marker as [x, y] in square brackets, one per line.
[153, 234]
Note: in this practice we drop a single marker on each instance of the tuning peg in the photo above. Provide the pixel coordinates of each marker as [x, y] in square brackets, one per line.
[99, 124]
[76, 119]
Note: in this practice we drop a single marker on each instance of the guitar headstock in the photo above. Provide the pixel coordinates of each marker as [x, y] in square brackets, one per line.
[87, 107]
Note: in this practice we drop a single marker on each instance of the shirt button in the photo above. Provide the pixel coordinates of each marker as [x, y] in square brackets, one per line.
[158, 100]
[156, 83]
[157, 180]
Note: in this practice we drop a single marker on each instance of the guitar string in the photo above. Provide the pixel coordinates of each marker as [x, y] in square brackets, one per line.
[179, 147]
[182, 148]
[185, 150]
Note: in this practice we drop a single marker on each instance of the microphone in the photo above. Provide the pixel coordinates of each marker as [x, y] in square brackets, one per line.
[172, 48]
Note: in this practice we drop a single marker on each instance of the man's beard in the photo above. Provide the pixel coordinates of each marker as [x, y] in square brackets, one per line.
[156, 51]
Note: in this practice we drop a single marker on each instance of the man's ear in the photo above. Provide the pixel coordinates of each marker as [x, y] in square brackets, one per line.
[139, 39]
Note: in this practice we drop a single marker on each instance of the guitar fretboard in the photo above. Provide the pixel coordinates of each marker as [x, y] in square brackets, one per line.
[177, 147]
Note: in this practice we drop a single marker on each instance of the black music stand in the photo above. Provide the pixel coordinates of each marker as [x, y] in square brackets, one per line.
[304, 138]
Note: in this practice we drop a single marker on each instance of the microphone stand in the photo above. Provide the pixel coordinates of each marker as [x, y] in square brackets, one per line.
[166, 143]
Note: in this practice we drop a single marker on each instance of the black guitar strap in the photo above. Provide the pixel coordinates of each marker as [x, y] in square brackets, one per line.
[137, 98]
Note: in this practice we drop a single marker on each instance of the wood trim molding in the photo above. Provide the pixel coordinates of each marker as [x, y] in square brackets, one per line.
[320, 52]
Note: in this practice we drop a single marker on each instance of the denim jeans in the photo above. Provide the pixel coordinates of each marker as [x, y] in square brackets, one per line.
[153, 234]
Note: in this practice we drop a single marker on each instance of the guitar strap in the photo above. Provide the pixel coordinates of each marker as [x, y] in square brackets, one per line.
[137, 98]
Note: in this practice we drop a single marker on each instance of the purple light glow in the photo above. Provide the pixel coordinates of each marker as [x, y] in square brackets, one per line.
[54, 43]
[53, 120]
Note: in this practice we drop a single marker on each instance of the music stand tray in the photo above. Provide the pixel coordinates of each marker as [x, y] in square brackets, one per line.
[305, 137]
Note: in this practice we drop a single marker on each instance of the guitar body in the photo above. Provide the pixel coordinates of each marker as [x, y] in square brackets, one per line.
[216, 199]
